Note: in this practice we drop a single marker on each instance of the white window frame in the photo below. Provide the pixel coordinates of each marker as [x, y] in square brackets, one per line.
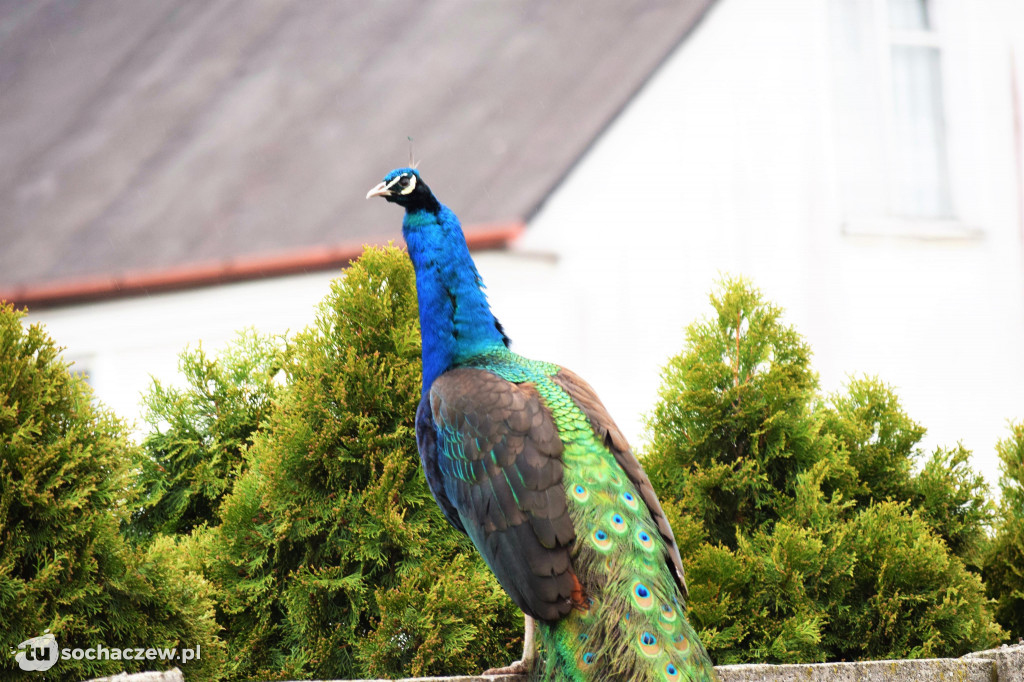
[883, 220]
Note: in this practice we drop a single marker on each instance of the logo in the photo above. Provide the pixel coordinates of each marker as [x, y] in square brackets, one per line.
[38, 653]
[41, 653]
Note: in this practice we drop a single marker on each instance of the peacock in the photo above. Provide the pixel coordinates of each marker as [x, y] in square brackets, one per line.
[522, 457]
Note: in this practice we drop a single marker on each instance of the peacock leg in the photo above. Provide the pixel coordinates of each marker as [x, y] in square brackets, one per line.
[524, 664]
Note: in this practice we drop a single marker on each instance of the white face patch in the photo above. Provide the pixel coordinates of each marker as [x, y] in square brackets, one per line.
[411, 187]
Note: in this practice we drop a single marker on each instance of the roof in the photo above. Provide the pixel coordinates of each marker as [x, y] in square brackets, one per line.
[187, 143]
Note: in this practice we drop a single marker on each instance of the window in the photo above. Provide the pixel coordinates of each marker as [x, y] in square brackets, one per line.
[890, 59]
[919, 172]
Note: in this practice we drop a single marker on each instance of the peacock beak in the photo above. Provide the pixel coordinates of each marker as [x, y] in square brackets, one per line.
[380, 190]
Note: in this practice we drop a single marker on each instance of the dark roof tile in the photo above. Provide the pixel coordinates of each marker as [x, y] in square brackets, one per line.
[160, 135]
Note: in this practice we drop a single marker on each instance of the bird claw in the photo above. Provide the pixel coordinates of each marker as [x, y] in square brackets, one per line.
[517, 668]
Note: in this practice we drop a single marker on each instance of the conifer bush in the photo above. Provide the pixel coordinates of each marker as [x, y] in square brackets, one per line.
[805, 531]
[1004, 561]
[65, 465]
[877, 437]
[331, 557]
[954, 500]
[734, 417]
[197, 433]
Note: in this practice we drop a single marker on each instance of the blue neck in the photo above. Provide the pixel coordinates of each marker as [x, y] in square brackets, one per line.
[455, 319]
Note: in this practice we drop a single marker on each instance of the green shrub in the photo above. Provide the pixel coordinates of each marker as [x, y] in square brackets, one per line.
[65, 465]
[732, 426]
[805, 532]
[193, 452]
[910, 597]
[953, 499]
[1004, 563]
[426, 610]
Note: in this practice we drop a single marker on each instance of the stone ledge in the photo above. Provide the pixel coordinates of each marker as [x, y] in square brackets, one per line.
[172, 675]
[1008, 662]
[1005, 664]
[919, 670]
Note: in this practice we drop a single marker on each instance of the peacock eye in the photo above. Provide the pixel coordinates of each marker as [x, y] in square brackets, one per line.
[406, 183]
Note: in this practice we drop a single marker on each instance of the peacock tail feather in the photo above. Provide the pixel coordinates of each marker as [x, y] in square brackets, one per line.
[633, 622]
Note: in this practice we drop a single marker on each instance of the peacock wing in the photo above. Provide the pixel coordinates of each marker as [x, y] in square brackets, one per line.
[609, 434]
[426, 443]
[497, 467]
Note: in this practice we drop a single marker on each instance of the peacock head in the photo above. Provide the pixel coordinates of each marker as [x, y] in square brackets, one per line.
[403, 186]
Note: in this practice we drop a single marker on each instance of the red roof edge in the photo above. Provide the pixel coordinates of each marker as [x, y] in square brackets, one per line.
[89, 289]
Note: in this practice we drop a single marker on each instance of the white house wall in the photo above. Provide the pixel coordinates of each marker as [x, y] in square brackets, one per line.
[122, 345]
[725, 163]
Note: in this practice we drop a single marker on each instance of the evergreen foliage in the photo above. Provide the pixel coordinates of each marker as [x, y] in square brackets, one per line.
[806, 534]
[65, 465]
[422, 628]
[733, 426]
[954, 500]
[296, 513]
[197, 434]
[332, 558]
[1004, 565]
[877, 437]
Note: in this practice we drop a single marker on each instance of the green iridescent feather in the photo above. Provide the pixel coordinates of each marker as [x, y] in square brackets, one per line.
[635, 617]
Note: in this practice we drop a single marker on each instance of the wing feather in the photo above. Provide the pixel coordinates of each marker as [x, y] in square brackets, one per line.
[493, 462]
[426, 443]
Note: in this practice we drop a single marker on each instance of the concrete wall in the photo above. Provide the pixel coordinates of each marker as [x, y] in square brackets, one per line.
[996, 665]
